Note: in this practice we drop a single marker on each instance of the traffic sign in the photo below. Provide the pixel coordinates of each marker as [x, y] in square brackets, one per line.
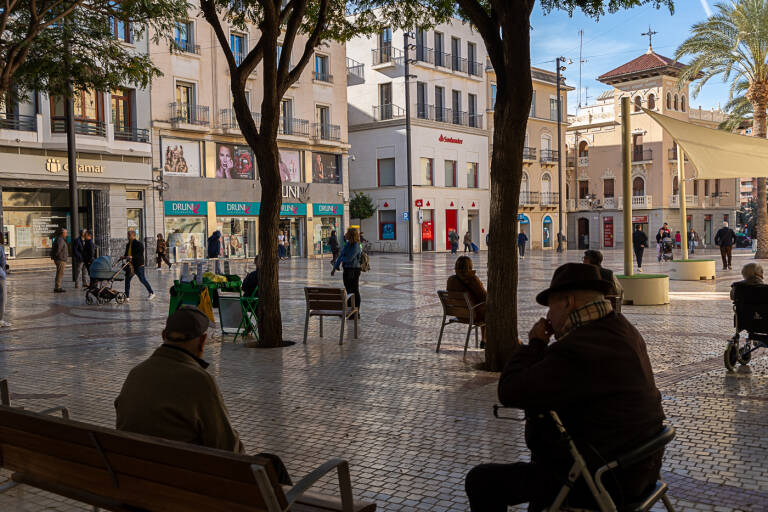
[405, 215]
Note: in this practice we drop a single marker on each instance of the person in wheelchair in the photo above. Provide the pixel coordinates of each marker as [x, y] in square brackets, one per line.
[597, 376]
[752, 274]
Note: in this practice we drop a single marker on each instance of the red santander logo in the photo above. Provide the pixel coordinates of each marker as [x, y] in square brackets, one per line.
[451, 140]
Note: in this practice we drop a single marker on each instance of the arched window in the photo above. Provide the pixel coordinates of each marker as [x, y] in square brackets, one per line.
[546, 186]
[675, 186]
[682, 103]
[638, 104]
[583, 148]
[638, 187]
[676, 102]
[651, 102]
[669, 101]
[546, 142]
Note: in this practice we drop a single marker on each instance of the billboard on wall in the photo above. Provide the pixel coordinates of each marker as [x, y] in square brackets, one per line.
[180, 157]
[234, 162]
[290, 166]
[325, 168]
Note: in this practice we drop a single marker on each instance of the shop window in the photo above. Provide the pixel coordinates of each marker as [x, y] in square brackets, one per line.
[472, 175]
[134, 195]
[450, 173]
[427, 171]
[186, 237]
[386, 167]
[135, 220]
[322, 234]
[387, 225]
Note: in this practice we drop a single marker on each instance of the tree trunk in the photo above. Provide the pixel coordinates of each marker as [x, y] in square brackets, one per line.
[758, 96]
[270, 322]
[513, 72]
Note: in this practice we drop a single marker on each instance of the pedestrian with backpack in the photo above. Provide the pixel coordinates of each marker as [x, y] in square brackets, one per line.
[351, 258]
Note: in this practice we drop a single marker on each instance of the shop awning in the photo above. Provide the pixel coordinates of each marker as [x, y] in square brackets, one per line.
[717, 153]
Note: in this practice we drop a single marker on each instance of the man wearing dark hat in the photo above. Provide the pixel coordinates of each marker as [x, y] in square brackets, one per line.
[171, 395]
[597, 376]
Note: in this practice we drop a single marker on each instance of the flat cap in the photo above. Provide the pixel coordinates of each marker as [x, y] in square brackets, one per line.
[186, 323]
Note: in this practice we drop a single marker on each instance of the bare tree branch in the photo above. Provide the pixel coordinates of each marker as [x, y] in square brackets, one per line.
[309, 47]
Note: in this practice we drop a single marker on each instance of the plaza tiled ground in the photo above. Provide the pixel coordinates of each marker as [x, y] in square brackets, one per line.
[410, 421]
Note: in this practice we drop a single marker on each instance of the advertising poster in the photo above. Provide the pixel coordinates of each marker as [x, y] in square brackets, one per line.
[290, 166]
[608, 232]
[180, 157]
[234, 162]
[388, 231]
[325, 168]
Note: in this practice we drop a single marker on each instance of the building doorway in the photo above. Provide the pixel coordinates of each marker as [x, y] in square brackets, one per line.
[427, 230]
[473, 226]
[451, 224]
[583, 233]
[708, 229]
[293, 231]
[546, 232]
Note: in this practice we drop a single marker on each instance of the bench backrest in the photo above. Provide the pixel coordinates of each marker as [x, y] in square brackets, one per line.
[455, 303]
[329, 299]
[751, 305]
[133, 470]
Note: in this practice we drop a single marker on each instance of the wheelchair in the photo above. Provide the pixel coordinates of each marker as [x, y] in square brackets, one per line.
[750, 314]
[595, 481]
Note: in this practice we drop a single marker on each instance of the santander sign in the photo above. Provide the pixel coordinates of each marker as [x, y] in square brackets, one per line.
[451, 140]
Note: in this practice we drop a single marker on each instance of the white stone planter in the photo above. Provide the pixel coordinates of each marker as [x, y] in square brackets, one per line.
[645, 289]
[692, 270]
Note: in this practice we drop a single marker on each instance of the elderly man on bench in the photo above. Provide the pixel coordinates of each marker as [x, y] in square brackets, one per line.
[171, 395]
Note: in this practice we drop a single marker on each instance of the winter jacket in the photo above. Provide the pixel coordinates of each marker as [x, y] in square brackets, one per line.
[60, 250]
[725, 237]
[89, 251]
[522, 238]
[214, 245]
[137, 253]
[639, 239]
[662, 234]
[468, 282]
[350, 256]
[78, 247]
[333, 242]
[161, 247]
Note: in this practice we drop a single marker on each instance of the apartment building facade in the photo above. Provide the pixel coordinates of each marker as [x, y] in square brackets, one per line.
[449, 136]
[114, 167]
[540, 196]
[209, 172]
[594, 187]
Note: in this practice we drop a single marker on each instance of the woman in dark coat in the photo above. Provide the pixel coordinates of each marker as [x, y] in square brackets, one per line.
[333, 242]
[465, 280]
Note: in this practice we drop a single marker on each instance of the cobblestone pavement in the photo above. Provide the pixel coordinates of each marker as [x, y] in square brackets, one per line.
[410, 421]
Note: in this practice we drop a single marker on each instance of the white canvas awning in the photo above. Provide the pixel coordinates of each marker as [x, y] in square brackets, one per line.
[717, 153]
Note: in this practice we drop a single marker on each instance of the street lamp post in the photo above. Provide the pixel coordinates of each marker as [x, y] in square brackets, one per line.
[406, 62]
[69, 112]
[561, 198]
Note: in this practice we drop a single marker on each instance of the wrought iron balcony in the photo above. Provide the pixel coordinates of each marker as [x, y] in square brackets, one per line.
[190, 114]
[129, 133]
[324, 131]
[82, 127]
[292, 126]
[550, 199]
[19, 122]
[185, 47]
[529, 154]
[228, 119]
[423, 54]
[355, 69]
[323, 76]
[528, 198]
[549, 156]
[386, 54]
[459, 64]
[475, 68]
[673, 155]
[387, 112]
[442, 59]
[642, 155]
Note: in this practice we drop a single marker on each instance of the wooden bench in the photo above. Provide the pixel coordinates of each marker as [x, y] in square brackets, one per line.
[323, 302]
[459, 306]
[126, 472]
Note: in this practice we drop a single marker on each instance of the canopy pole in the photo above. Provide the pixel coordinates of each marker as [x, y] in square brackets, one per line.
[626, 143]
[681, 198]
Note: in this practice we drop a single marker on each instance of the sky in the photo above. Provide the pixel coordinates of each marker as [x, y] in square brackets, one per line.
[614, 40]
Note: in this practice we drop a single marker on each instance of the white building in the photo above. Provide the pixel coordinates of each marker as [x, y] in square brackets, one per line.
[449, 137]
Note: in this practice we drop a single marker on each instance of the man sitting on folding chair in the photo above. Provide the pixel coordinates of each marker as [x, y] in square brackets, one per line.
[597, 376]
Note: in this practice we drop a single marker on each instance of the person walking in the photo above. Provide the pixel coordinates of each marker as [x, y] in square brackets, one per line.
[214, 245]
[453, 237]
[522, 239]
[281, 246]
[79, 265]
[639, 243]
[692, 241]
[725, 238]
[59, 255]
[661, 234]
[678, 239]
[333, 242]
[161, 252]
[134, 252]
[350, 259]
[3, 289]
[467, 242]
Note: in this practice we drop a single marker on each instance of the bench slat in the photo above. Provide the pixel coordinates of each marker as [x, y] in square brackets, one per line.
[326, 305]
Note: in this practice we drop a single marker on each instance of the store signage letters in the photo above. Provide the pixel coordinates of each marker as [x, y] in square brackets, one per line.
[186, 208]
[54, 165]
[451, 140]
[237, 209]
[295, 191]
[327, 209]
[293, 209]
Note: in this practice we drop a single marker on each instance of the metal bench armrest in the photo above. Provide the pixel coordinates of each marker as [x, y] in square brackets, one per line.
[478, 305]
[345, 483]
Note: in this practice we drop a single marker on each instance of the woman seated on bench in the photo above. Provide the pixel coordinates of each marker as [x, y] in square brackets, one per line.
[752, 274]
[465, 280]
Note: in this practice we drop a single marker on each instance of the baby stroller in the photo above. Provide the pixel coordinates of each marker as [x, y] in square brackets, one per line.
[103, 276]
[750, 307]
[667, 245]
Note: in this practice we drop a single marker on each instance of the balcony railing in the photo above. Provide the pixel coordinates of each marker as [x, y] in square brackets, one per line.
[549, 156]
[424, 54]
[387, 55]
[584, 204]
[529, 153]
[355, 69]
[459, 64]
[584, 161]
[550, 198]
[190, 114]
[642, 155]
[475, 68]
[324, 131]
[690, 200]
[92, 128]
[643, 202]
[323, 76]
[128, 133]
[609, 203]
[529, 198]
[228, 119]
[22, 123]
[448, 115]
[185, 47]
[387, 112]
[292, 126]
[442, 59]
[673, 155]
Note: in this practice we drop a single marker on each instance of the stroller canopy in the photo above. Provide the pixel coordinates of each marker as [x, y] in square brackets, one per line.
[101, 268]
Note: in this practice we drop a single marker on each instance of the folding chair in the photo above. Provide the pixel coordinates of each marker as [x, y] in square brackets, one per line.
[249, 308]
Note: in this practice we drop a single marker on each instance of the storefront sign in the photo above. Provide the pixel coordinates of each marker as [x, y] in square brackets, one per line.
[54, 165]
[293, 209]
[186, 208]
[639, 219]
[327, 209]
[237, 209]
[450, 140]
[295, 191]
[608, 232]
[522, 219]
[419, 203]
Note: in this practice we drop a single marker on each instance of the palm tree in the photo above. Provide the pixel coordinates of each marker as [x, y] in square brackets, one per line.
[733, 44]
